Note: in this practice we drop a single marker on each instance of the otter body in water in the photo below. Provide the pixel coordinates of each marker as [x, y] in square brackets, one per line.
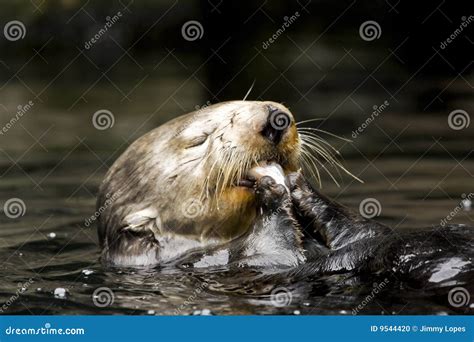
[222, 186]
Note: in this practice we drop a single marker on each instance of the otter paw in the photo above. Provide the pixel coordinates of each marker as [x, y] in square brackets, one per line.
[299, 187]
[269, 193]
[296, 180]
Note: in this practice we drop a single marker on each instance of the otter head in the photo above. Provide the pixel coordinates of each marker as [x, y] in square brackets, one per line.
[192, 172]
[212, 151]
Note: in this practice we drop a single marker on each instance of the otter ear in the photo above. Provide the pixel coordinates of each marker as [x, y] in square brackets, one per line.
[141, 220]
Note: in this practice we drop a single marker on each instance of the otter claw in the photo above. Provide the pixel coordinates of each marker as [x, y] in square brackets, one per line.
[269, 193]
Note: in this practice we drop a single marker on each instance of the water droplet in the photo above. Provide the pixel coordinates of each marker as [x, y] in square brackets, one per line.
[87, 272]
[203, 312]
[466, 204]
[60, 292]
[206, 312]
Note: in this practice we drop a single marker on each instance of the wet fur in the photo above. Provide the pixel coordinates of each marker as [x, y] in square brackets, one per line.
[307, 233]
[437, 256]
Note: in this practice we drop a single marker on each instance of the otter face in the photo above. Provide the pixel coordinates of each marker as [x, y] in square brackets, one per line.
[228, 139]
[194, 169]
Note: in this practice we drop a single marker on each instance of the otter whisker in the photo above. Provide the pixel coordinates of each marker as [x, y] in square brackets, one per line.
[325, 132]
[324, 167]
[310, 120]
[210, 174]
[310, 166]
[319, 139]
[311, 142]
[229, 169]
[249, 91]
[321, 150]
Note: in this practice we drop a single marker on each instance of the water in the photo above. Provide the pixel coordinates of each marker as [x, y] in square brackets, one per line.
[54, 159]
[59, 176]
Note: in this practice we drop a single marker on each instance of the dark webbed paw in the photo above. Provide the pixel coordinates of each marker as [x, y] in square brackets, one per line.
[271, 195]
[301, 191]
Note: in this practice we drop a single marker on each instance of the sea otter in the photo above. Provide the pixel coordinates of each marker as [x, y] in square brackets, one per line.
[183, 185]
[222, 185]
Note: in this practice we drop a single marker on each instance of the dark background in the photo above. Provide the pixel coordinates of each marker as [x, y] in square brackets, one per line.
[144, 72]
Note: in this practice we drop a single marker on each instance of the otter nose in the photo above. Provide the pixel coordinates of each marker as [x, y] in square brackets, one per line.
[276, 125]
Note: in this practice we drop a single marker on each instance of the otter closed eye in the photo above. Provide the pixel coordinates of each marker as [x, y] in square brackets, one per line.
[197, 141]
